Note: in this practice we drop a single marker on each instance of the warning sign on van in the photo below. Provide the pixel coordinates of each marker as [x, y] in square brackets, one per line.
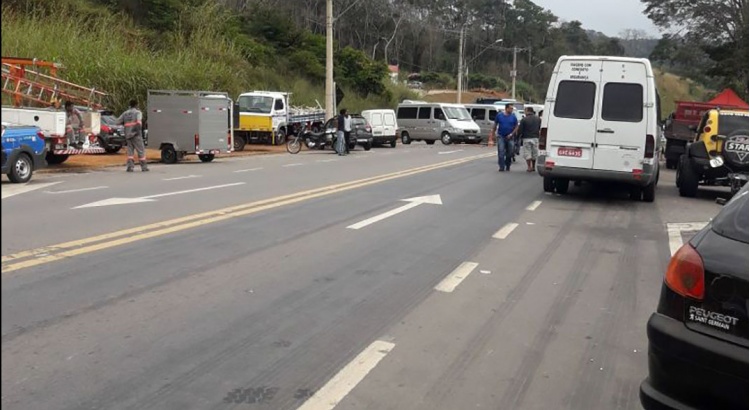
[579, 71]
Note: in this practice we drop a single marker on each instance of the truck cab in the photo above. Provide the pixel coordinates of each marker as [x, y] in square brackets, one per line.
[261, 116]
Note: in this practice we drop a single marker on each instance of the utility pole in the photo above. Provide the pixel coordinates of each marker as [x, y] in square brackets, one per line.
[514, 72]
[330, 90]
[460, 63]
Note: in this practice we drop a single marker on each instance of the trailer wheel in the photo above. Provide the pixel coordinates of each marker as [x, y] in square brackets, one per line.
[168, 154]
[206, 157]
[56, 159]
[239, 142]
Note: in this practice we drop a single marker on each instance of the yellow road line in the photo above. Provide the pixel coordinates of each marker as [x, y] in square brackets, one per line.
[51, 253]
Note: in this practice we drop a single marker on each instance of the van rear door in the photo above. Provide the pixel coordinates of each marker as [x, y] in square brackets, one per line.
[390, 126]
[571, 127]
[622, 122]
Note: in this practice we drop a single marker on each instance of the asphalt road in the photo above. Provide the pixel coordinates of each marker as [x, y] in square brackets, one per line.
[246, 286]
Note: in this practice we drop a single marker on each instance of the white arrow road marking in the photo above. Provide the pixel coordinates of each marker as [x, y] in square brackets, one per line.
[10, 190]
[675, 233]
[505, 231]
[150, 198]
[185, 177]
[248, 170]
[348, 378]
[449, 152]
[412, 203]
[76, 190]
[451, 282]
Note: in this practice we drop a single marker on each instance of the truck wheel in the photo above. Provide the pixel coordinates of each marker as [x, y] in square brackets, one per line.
[206, 157]
[405, 138]
[549, 184]
[21, 169]
[168, 155]
[56, 159]
[239, 142]
[688, 179]
[561, 185]
[280, 137]
[446, 138]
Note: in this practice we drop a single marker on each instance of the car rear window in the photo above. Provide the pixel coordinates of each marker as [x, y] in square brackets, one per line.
[408, 113]
[376, 119]
[575, 99]
[729, 123]
[358, 121]
[623, 102]
[732, 221]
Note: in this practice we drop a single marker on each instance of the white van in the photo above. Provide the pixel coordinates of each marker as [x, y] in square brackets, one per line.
[429, 122]
[601, 122]
[384, 126]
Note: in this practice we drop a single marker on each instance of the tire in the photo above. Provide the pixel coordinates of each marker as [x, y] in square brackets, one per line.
[352, 146]
[294, 146]
[56, 159]
[561, 185]
[405, 138]
[206, 157]
[367, 146]
[445, 138]
[21, 169]
[549, 184]
[636, 193]
[280, 137]
[239, 142]
[672, 163]
[393, 144]
[649, 192]
[430, 142]
[168, 155]
[688, 179]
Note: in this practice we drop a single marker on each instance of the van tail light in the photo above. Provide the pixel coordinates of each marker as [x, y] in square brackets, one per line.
[685, 274]
[650, 146]
[197, 142]
[543, 138]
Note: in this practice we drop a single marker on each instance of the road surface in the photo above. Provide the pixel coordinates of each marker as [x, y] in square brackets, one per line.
[409, 278]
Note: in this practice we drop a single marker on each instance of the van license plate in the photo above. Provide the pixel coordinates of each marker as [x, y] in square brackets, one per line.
[570, 152]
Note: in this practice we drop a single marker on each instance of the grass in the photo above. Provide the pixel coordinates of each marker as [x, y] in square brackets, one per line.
[107, 51]
[675, 88]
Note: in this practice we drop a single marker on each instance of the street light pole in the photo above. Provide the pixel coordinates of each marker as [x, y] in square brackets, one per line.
[329, 60]
[513, 72]
[460, 63]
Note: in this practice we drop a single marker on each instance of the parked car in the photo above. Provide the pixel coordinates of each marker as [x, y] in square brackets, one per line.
[24, 150]
[384, 126]
[698, 337]
[112, 135]
[361, 133]
[430, 122]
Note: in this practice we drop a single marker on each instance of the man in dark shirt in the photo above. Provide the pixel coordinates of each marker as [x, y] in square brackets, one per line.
[528, 130]
[506, 125]
[340, 143]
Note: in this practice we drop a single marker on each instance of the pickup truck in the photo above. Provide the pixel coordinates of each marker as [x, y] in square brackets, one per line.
[24, 150]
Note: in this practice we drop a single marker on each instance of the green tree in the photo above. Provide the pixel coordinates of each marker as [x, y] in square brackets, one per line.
[609, 47]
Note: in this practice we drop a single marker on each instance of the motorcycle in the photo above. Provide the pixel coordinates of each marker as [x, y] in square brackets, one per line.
[312, 140]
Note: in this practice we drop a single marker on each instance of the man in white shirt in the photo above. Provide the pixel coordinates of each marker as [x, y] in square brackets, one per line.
[347, 130]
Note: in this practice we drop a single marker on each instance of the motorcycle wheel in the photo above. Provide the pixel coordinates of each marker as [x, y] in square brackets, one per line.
[293, 146]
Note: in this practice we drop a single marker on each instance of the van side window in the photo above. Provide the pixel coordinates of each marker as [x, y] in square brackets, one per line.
[493, 115]
[575, 99]
[623, 102]
[439, 115]
[477, 113]
[424, 113]
[407, 113]
[388, 119]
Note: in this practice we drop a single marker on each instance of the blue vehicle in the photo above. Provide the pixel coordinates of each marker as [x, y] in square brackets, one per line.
[24, 150]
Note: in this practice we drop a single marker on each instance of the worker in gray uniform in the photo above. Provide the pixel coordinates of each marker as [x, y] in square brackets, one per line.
[132, 119]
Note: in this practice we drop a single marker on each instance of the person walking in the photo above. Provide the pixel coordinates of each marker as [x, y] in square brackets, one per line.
[505, 127]
[73, 125]
[528, 132]
[347, 131]
[132, 119]
[340, 146]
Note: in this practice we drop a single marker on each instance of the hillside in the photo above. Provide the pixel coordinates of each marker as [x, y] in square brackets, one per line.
[675, 88]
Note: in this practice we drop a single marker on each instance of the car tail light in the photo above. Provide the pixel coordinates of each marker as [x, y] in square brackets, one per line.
[368, 128]
[41, 135]
[197, 142]
[650, 146]
[543, 138]
[685, 274]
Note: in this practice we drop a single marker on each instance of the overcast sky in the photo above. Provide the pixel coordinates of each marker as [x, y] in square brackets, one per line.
[608, 16]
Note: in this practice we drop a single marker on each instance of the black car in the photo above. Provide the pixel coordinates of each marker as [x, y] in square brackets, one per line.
[698, 351]
[361, 133]
[112, 135]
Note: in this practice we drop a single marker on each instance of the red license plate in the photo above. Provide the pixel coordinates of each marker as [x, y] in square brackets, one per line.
[570, 152]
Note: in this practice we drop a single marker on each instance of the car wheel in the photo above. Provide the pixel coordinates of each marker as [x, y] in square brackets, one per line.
[21, 169]
[549, 184]
[56, 159]
[430, 142]
[688, 179]
[239, 143]
[206, 157]
[393, 144]
[649, 192]
[561, 185]
[168, 155]
[405, 138]
[367, 146]
[445, 138]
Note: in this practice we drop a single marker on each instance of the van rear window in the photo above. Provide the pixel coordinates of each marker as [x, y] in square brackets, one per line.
[623, 102]
[407, 113]
[575, 99]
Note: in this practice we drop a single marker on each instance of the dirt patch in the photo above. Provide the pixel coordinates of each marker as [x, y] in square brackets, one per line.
[80, 163]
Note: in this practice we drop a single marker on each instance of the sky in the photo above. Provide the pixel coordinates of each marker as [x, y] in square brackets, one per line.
[608, 16]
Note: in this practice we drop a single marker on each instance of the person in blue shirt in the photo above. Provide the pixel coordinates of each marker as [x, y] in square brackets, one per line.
[506, 125]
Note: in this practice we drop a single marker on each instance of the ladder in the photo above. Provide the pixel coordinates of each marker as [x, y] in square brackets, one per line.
[31, 87]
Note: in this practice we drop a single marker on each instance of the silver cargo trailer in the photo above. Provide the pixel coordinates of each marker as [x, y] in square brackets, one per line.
[189, 122]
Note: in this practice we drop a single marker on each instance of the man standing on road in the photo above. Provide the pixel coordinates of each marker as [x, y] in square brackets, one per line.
[347, 130]
[73, 125]
[132, 119]
[506, 125]
[340, 130]
[528, 132]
